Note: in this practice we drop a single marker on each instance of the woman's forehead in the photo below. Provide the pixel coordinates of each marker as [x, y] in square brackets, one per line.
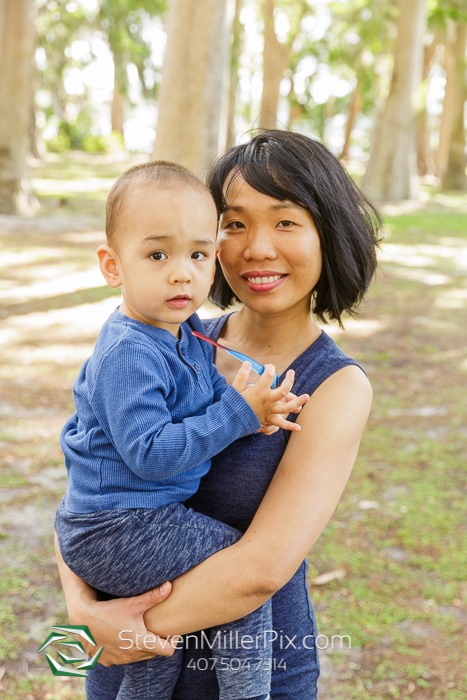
[237, 189]
[240, 196]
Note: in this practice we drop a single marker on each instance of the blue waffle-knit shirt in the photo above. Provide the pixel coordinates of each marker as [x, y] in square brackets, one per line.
[151, 411]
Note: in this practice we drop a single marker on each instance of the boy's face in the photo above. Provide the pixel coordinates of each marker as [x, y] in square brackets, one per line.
[165, 254]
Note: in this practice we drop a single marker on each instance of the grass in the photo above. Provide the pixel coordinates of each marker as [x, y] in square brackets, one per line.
[403, 599]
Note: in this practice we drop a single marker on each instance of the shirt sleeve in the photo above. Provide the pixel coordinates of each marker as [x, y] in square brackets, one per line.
[219, 382]
[129, 401]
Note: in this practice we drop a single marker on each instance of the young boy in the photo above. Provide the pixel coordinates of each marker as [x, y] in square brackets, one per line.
[151, 410]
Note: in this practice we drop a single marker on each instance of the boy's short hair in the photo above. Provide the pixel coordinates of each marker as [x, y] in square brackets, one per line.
[288, 166]
[162, 173]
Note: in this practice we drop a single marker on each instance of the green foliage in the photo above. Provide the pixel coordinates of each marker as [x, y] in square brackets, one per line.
[59, 143]
[58, 24]
[361, 33]
[123, 22]
[78, 135]
[103, 144]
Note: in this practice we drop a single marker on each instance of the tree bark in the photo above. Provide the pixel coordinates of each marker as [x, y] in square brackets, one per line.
[425, 160]
[234, 64]
[118, 110]
[455, 178]
[391, 172]
[276, 57]
[354, 108]
[445, 127]
[119, 94]
[16, 71]
[190, 96]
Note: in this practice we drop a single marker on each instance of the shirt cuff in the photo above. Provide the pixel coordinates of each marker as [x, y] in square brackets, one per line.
[242, 410]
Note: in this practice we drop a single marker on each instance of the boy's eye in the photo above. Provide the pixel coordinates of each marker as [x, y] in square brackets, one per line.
[199, 255]
[158, 256]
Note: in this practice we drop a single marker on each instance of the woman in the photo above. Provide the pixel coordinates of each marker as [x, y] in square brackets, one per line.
[295, 234]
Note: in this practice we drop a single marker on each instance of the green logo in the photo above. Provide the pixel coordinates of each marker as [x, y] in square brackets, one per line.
[83, 661]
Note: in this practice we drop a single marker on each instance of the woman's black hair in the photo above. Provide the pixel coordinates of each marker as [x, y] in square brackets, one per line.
[292, 167]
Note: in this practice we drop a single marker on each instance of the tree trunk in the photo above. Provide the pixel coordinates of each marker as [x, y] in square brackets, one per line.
[276, 58]
[234, 64]
[445, 127]
[425, 161]
[16, 71]
[119, 94]
[190, 96]
[118, 110]
[391, 172]
[455, 178]
[354, 108]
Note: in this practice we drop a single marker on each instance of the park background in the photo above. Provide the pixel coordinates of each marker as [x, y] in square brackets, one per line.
[90, 87]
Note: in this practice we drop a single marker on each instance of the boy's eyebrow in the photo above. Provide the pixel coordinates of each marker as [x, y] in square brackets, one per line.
[159, 239]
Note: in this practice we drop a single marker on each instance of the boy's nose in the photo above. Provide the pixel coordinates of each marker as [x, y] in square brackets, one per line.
[180, 275]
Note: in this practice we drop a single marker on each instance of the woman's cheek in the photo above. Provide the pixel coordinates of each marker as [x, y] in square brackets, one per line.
[229, 255]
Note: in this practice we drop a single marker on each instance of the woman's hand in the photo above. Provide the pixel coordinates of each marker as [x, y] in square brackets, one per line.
[118, 626]
[108, 619]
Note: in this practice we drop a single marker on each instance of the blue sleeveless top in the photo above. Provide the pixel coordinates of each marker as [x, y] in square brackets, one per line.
[231, 492]
[240, 475]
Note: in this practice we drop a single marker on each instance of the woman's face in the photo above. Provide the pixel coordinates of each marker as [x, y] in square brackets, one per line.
[269, 250]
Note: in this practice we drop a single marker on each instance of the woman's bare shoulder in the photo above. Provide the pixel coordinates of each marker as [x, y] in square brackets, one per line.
[338, 410]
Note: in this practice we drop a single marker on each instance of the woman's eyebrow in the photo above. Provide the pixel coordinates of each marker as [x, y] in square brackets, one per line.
[273, 207]
[284, 205]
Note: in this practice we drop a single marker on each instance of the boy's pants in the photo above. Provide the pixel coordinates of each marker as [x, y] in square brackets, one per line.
[128, 552]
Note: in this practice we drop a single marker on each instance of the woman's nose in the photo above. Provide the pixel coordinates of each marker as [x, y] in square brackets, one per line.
[259, 246]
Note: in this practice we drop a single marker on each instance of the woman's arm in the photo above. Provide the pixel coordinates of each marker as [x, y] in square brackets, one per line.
[300, 500]
[106, 619]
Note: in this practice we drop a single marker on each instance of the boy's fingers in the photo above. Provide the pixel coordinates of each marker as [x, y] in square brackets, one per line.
[266, 378]
[284, 389]
[293, 406]
[241, 378]
[268, 429]
[280, 421]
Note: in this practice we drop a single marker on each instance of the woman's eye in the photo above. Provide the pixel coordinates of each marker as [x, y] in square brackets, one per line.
[235, 225]
[199, 255]
[286, 223]
[158, 256]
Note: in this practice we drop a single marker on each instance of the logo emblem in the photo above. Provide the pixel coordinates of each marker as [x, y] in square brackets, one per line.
[84, 663]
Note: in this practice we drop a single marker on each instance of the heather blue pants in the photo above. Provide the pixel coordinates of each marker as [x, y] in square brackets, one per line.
[128, 552]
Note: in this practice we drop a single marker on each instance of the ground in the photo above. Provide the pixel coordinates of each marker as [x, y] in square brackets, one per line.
[398, 539]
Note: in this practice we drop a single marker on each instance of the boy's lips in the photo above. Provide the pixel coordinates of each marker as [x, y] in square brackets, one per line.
[179, 302]
[263, 280]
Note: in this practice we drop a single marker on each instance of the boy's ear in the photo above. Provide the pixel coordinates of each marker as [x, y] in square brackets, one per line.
[108, 265]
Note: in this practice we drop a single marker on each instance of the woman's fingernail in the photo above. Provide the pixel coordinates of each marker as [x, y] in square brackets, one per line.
[164, 588]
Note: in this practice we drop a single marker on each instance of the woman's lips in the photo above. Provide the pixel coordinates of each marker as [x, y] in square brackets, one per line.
[179, 302]
[263, 282]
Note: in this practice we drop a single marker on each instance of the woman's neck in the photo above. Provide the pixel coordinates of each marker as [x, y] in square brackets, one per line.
[277, 338]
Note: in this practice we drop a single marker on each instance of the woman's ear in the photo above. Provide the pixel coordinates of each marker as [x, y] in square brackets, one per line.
[108, 264]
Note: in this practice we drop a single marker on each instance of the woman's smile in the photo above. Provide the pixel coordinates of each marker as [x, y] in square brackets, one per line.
[263, 280]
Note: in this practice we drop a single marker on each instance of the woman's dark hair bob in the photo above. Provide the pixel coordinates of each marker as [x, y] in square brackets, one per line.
[292, 167]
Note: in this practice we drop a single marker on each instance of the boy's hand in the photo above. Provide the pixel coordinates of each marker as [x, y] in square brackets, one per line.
[270, 405]
[270, 428]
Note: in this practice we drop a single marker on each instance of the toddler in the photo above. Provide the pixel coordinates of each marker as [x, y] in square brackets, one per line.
[151, 410]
